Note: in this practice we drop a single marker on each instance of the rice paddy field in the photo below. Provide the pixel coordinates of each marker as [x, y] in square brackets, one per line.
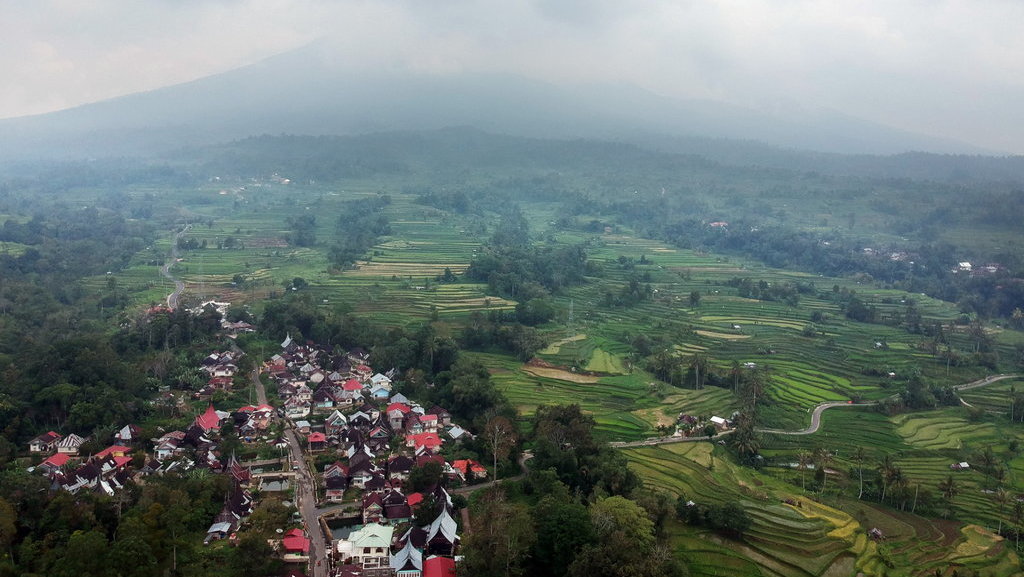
[794, 535]
[589, 360]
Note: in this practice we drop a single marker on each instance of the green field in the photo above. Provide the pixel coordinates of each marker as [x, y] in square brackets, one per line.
[591, 360]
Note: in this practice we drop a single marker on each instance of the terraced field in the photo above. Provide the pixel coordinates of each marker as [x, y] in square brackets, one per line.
[810, 539]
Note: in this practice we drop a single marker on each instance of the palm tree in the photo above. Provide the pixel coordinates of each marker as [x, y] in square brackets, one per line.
[803, 459]
[735, 371]
[822, 458]
[698, 363]
[949, 488]
[860, 454]
[886, 470]
[1001, 496]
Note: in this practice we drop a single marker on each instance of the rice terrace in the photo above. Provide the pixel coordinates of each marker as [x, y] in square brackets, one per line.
[652, 333]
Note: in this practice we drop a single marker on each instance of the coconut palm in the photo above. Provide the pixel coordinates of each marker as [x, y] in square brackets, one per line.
[803, 459]
[860, 454]
[886, 470]
[822, 458]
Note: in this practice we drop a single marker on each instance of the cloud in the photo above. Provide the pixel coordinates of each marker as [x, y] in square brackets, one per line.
[950, 68]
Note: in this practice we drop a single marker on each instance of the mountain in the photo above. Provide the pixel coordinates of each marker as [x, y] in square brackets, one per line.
[306, 92]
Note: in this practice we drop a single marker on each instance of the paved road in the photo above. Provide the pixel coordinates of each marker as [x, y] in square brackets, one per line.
[179, 286]
[815, 418]
[305, 497]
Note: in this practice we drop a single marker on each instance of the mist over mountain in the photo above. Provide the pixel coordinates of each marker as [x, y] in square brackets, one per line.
[304, 92]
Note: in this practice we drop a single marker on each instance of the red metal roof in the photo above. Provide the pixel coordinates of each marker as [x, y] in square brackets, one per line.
[439, 567]
[295, 541]
[208, 420]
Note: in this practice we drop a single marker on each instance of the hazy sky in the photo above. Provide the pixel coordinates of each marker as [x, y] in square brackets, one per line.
[953, 69]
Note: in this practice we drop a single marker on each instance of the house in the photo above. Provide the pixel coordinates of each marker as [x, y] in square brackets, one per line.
[209, 420]
[335, 424]
[457, 433]
[396, 507]
[719, 423]
[413, 425]
[961, 466]
[44, 443]
[69, 445]
[128, 434]
[439, 567]
[168, 445]
[379, 380]
[399, 398]
[335, 487]
[373, 508]
[114, 450]
[295, 543]
[302, 427]
[399, 467]
[408, 561]
[369, 548]
[317, 441]
[443, 416]
[441, 536]
[323, 398]
[396, 413]
[379, 393]
[54, 463]
[429, 422]
[468, 469]
[303, 392]
[295, 408]
[429, 441]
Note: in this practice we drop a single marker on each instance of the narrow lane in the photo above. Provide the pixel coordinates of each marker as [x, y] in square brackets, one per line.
[179, 286]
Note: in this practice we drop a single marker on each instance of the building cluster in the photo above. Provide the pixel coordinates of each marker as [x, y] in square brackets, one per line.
[343, 408]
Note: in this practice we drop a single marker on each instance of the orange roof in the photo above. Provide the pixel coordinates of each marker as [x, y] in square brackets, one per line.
[415, 499]
[464, 464]
[116, 450]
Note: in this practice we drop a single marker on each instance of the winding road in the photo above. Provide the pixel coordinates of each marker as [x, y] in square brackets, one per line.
[815, 418]
[179, 286]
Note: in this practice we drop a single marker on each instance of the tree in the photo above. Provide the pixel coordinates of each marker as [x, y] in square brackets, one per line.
[625, 545]
[1002, 497]
[500, 435]
[860, 455]
[8, 525]
[949, 488]
[699, 363]
[822, 458]
[887, 472]
[803, 459]
[694, 299]
[501, 539]
[563, 528]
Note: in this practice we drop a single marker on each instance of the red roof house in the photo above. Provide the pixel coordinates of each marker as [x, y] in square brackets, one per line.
[209, 420]
[295, 542]
[425, 440]
[352, 385]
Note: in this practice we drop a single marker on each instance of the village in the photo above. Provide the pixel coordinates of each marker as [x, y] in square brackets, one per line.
[350, 452]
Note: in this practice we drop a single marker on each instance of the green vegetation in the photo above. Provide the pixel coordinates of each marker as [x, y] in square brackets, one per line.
[551, 274]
